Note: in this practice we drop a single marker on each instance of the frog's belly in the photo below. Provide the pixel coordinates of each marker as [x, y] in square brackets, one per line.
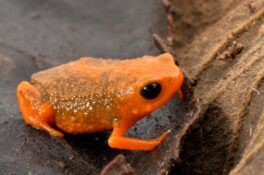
[78, 124]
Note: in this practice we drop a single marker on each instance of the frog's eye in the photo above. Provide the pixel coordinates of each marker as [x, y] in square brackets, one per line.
[151, 91]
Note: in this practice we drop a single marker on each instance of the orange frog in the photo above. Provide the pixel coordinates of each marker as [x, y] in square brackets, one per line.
[93, 95]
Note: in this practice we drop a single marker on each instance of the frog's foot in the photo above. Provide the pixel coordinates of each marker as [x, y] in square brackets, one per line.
[36, 113]
[122, 142]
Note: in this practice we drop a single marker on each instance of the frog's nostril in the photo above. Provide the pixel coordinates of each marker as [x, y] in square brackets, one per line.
[171, 81]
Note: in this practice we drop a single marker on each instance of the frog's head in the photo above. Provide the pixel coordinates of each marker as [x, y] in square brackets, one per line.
[157, 79]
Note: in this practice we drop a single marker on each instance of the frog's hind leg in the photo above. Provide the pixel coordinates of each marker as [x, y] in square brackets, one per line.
[36, 113]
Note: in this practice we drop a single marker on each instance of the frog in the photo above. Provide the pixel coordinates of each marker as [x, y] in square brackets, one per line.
[91, 95]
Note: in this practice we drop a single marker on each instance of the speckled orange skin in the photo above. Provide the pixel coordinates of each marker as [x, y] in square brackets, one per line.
[91, 95]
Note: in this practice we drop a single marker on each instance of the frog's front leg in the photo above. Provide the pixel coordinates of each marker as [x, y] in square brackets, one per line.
[180, 95]
[36, 113]
[120, 141]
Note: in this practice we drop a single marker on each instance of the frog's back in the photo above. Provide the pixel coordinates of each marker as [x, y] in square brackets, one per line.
[84, 73]
[81, 94]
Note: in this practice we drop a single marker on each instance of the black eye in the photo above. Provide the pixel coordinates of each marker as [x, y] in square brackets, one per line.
[151, 91]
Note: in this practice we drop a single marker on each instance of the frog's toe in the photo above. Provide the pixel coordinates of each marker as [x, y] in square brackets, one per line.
[38, 124]
[163, 136]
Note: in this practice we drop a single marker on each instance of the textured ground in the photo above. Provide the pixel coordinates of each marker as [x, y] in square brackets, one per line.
[219, 43]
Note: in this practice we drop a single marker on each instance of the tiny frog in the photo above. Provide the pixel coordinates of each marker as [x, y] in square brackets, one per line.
[94, 95]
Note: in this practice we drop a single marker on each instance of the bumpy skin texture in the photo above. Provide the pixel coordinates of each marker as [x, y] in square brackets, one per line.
[91, 95]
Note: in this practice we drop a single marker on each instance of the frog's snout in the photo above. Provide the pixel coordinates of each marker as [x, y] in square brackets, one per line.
[171, 81]
[176, 82]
